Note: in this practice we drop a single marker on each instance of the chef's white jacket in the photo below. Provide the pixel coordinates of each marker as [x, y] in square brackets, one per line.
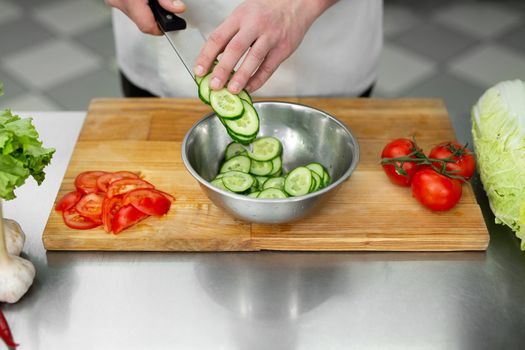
[337, 57]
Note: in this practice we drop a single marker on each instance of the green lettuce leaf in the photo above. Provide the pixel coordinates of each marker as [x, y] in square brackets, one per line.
[21, 153]
[498, 131]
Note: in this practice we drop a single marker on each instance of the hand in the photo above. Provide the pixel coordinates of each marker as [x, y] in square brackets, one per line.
[140, 13]
[270, 29]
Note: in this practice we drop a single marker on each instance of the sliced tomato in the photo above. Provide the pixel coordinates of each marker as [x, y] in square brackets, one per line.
[90, 206]
[169, 196]
[125, 217]
[74, 220]
[109, 208]
[148, 201]
[86, 182]
[68, 201]
[105, 180]
[123, 186]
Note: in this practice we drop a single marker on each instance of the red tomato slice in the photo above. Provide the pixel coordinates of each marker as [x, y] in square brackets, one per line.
[169, 196]
[74, 220]
[126, 216]
[86, 182]
[105, 180]
[148, 201]
[68, 201]
[90, 206]
[110, 207]
[126, 185]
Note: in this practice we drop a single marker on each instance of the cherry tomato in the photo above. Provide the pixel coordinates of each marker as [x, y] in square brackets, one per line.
[400, 148]
[90, 206]
[464, 164]
[105, 180]
[74, 220]
[110, 207]
[68, 201]
[125, 217]
[435, 191]
[126, 185]
[86, 182]
[148, 201]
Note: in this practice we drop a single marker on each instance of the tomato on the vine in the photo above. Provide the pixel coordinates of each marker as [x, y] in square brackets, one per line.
[436, 191]
[400, 172]
[462, 161]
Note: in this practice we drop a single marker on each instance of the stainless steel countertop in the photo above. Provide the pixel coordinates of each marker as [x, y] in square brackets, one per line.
[266, 300]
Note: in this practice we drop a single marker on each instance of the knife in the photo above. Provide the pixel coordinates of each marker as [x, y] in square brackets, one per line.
[186, 40]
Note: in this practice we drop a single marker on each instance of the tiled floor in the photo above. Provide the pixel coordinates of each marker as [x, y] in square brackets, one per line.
[61, 54]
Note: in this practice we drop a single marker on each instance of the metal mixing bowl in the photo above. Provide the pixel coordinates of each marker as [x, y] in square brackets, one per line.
[307, 134]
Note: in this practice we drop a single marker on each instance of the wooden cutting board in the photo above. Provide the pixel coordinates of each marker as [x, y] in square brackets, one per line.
[368, 212]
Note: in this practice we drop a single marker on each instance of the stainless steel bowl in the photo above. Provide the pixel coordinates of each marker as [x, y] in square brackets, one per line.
[307, 134]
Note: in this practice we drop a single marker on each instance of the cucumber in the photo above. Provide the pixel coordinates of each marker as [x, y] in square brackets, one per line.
[219, 184]
[277, 164]
[220, 175]
[226, 104]
[234, 149]
[261, 168]
[326, 179]
[247, 125]
[245, 96]
[275, 182]
[238, 163]
[241, 139]
[237, 181]
[298, 182]
[261, 180]
[253, 194]
[272, 193]
[316, 167]
[204, 89]
[318, 181]
[265, 148]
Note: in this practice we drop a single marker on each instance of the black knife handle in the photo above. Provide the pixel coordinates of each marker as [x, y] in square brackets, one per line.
[167, 21]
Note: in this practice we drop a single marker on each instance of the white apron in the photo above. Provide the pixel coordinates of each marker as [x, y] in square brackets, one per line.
[337, 57]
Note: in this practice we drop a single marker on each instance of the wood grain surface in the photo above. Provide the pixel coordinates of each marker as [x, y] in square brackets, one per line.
[367, 213]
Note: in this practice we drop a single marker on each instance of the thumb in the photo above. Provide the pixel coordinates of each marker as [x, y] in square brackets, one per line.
[175, 6]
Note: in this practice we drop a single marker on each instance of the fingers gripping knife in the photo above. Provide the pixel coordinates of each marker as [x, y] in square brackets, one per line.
[185, 40]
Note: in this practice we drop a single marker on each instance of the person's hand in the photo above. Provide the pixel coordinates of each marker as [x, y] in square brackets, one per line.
[270, 29]
[140, 13]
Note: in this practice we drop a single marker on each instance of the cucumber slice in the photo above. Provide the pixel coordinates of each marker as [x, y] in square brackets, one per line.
[253, 194]
[234, 149]
[198, 79]
[318, 181]
[237, 163]
[275, 182]
[277, 174]
[204, 89]
[277, 164]
[272, 193]
[241, 139]
[247, 125]
[298, 181]
[219, 184]
[326, 179]
[237, 181]
[317, 168]
[219, 176]
[261, 168]
[226, 104]
[265, 148]
[245, 96]
[261, 180]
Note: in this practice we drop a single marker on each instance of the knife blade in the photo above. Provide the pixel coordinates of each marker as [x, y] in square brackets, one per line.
[186, 40]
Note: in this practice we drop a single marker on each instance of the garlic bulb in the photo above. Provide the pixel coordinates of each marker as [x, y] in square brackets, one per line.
[16, 276]
[16, 273]
[14, 237]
